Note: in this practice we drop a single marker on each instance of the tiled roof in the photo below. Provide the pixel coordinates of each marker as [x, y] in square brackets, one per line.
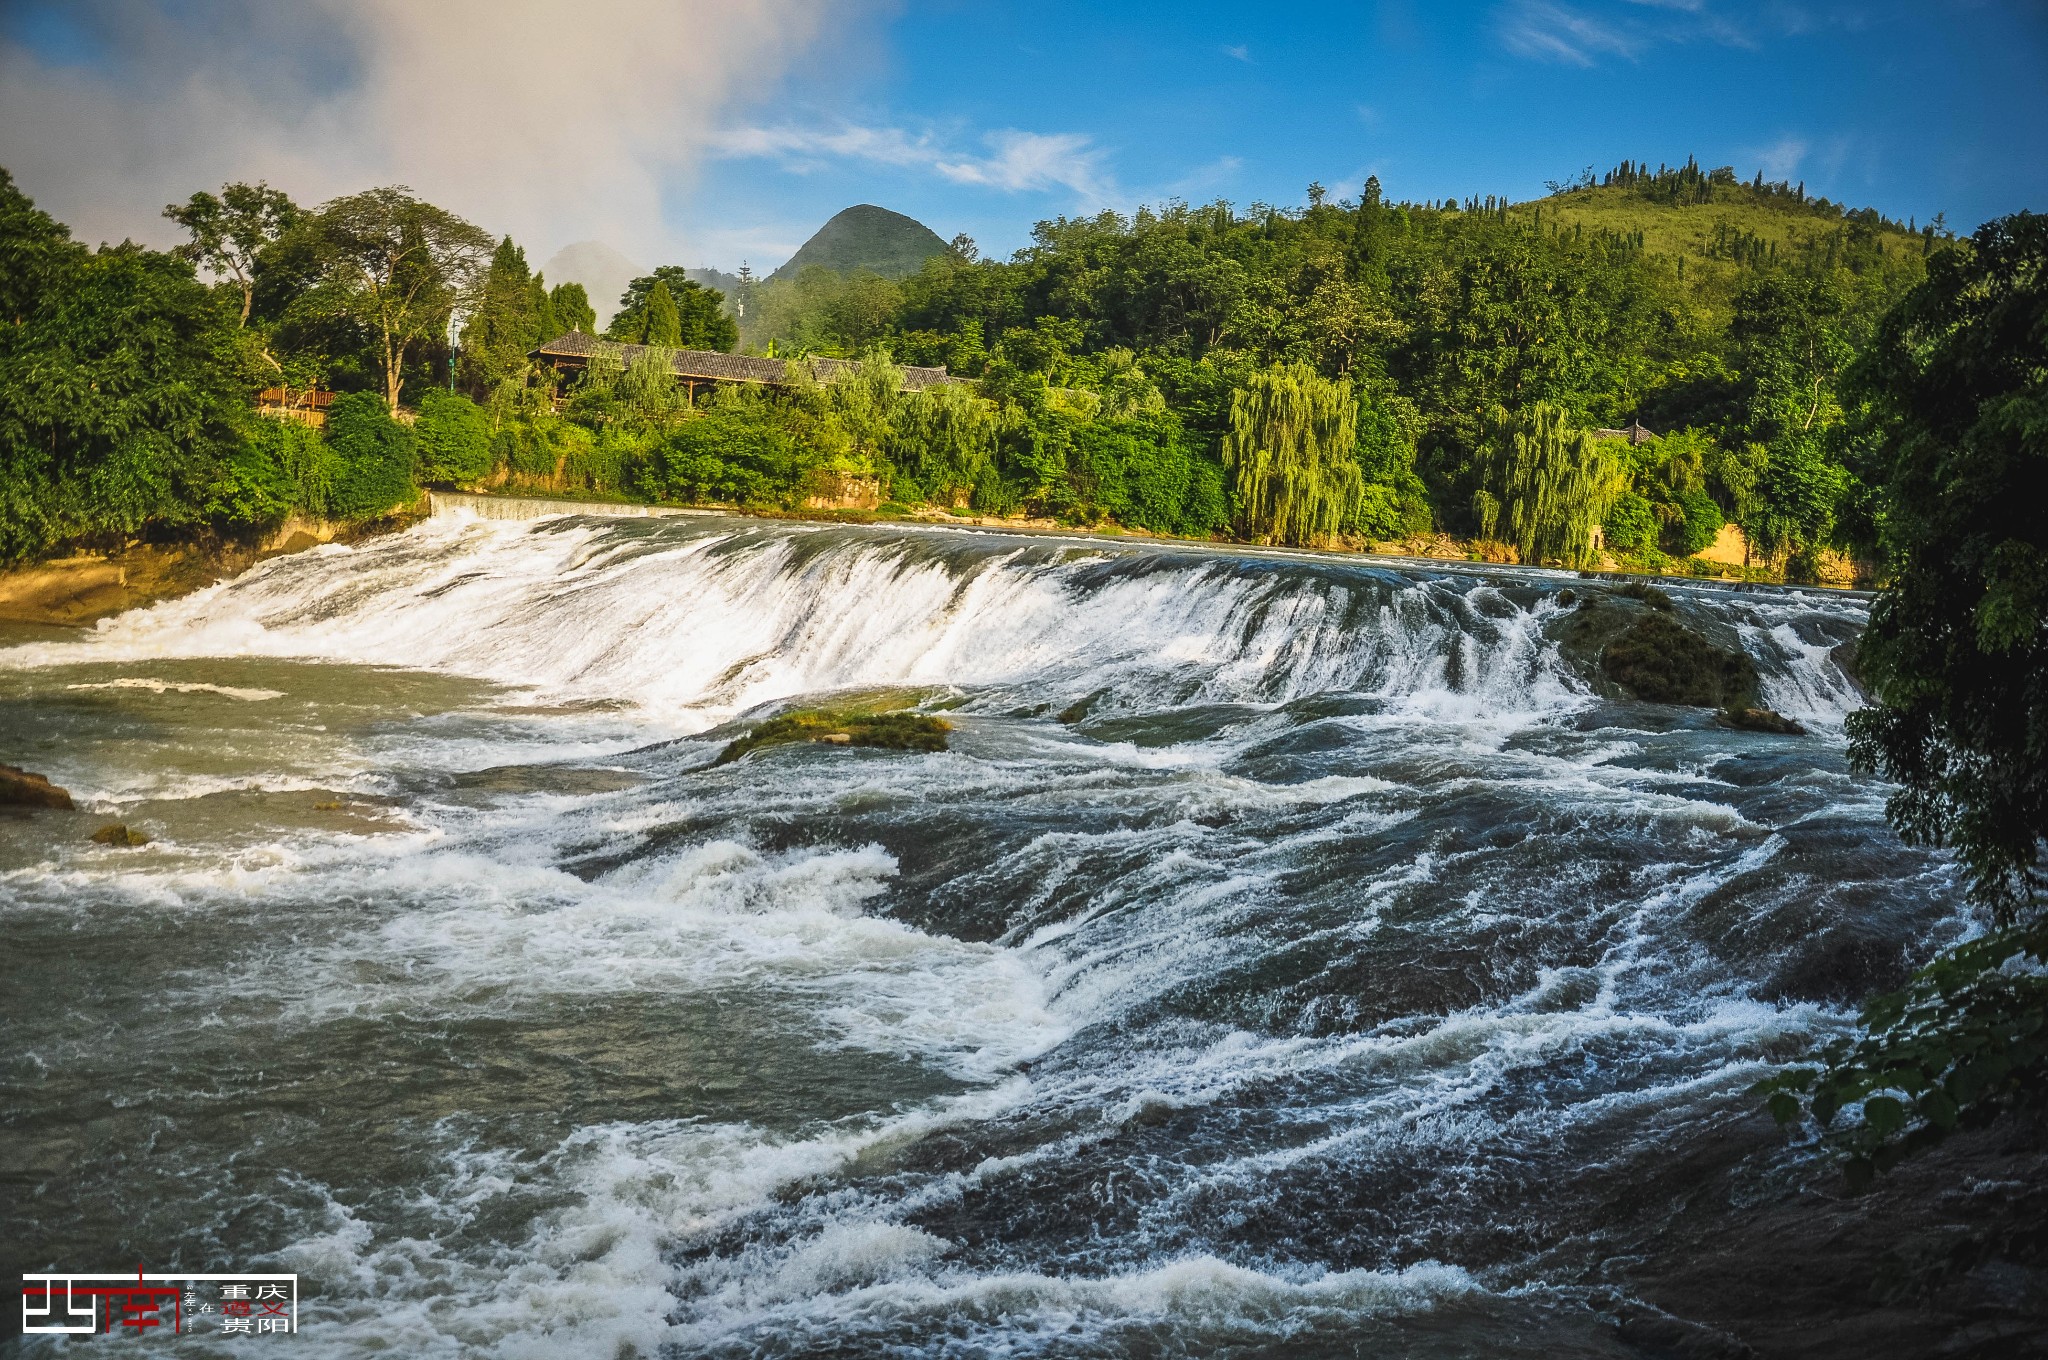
[713, 366]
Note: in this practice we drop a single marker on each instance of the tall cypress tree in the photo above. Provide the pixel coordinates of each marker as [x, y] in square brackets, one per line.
[572, 308]
[659, 324]
[546, 325]
[503, 327]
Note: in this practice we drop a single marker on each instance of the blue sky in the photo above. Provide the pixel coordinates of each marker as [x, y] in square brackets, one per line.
[983, 118]
[712, 131]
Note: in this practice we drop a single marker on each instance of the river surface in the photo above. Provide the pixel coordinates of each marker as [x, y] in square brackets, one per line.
[1341, 976]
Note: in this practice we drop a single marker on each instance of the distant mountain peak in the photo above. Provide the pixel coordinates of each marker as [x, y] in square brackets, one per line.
[867, 237]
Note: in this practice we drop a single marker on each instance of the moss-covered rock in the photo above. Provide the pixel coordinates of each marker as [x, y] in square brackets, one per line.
[892, 731]
[22, 789]
[1647, 593]
[114, 833]
[1761, 720]
[1661, 661]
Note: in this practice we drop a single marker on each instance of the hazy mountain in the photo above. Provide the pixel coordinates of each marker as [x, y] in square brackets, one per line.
[603, 272]
[725, 283]
[867, 237]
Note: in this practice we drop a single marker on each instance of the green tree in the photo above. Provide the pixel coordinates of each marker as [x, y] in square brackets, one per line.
[374, 458]
[503, 325]
[1545, 484]
[659, 323]
[1292, 442]
[546, 324]
[700, 319]
[454, 438]
[1394, 502]
[573, 311]
[123, 387]
[1956, 657]
[1789, 342]
[941, 444]
[230, 231]
[1957, 650]
[396, 267]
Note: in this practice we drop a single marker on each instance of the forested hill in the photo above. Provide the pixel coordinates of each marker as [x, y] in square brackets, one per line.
[1356, 369]
[865, 237]
[1714, 226]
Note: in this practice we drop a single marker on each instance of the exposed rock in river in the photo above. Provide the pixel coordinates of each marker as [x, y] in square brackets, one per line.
[22, 789]
[1634, 642]
[1761, 720]
[1660, 660]
[895, 731]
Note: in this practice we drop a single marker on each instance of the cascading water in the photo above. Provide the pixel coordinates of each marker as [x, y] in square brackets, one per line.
[1290, 955]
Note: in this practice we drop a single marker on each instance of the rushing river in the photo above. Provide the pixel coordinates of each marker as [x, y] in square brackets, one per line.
[1289, 956]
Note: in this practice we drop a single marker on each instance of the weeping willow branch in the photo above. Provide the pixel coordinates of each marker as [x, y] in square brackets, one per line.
[1544, 485]
[1293, 443]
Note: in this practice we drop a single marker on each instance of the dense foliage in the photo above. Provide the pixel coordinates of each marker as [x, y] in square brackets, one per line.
[1956, 423]
[1352, 371]
[1441, 316]
[123, 387]
[667, 308]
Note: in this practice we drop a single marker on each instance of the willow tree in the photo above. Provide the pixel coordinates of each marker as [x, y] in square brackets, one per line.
[1545, 486]
[943, 440]
[1293, 443]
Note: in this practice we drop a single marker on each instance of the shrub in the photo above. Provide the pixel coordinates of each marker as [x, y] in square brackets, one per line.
[526, 448]
[740, 456]
[454, 438]
[1700, 526]
[373, 458]
[257, 484]
[1631, 525]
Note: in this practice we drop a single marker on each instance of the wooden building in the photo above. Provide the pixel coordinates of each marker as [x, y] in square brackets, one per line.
[570, 354]
[306, 405]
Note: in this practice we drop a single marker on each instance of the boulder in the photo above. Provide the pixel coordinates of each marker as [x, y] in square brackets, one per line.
[1660, 660]
[22, 789]
[114, 833]
[893, 731]
[1761, 720]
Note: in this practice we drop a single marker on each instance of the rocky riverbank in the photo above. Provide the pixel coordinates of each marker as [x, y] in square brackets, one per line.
[79, 590]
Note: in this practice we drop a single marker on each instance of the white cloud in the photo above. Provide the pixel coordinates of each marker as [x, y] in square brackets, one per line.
[551, 123]
[1016, 162]
[1554, 33]
[1238, 52]
[1782, 159]
[1202, 180]
[1546, 31]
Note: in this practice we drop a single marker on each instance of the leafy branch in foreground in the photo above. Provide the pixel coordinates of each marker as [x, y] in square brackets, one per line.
[1962, 1043]
[1957, 658]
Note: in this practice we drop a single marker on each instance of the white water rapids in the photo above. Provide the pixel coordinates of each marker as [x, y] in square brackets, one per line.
[1290, 954]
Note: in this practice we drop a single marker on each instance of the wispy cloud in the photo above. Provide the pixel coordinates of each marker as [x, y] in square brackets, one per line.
[1237, 52]
[1581, 35]
[1782, 159]
[1014, 161]
[1203, 179]
[1554, 33]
